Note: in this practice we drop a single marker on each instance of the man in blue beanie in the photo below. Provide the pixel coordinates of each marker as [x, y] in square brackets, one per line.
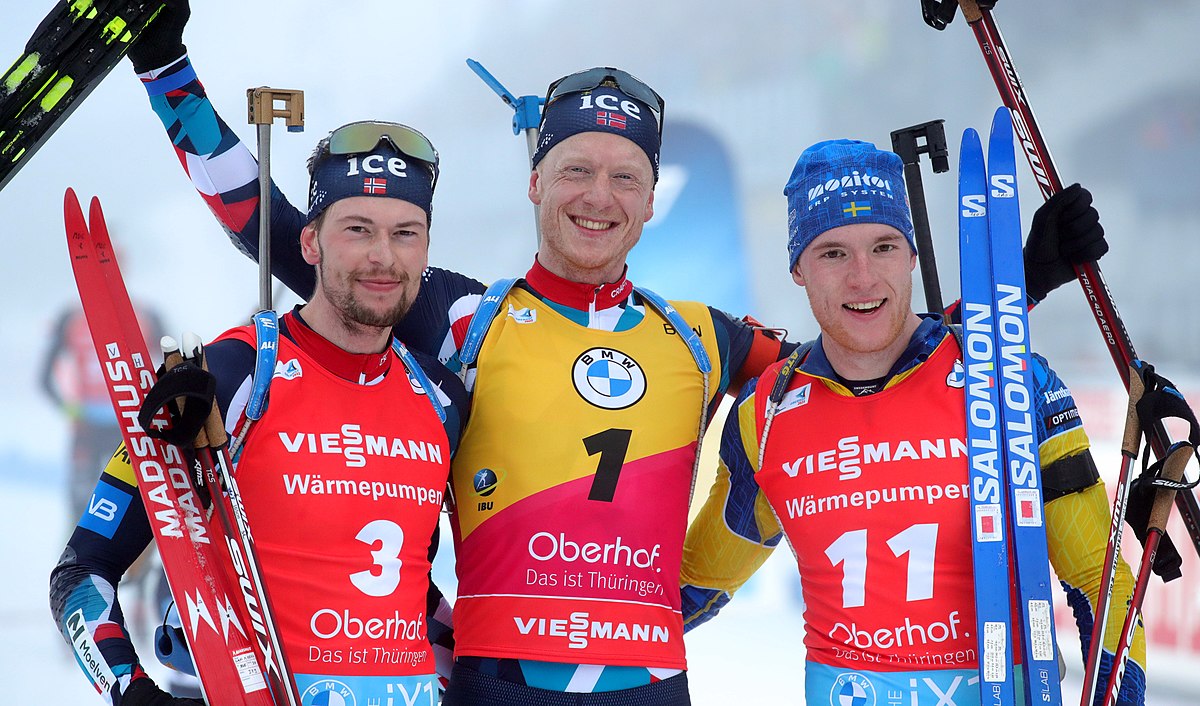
[859, 469]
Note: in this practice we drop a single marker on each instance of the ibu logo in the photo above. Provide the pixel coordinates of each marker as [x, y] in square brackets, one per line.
[607, 378]
[484, 484]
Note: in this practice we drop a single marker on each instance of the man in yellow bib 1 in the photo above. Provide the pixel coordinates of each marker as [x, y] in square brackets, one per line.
[865, 470]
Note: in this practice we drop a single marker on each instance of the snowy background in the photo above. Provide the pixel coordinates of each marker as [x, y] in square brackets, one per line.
[1114, 85]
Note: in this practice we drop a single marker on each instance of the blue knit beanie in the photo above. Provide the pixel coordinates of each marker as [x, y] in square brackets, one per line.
[842, 182]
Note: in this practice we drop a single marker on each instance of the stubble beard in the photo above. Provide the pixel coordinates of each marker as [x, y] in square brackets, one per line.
[355, 315]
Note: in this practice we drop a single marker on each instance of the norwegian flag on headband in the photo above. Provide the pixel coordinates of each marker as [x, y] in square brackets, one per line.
[616, 120]
[374, 185]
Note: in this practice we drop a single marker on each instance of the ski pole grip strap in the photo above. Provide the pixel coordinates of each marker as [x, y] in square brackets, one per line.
[182, 382]
[1164, 498]
[971, 11]
[1133, 428]
[1160, 399]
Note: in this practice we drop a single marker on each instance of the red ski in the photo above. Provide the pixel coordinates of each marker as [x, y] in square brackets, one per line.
[190, 543]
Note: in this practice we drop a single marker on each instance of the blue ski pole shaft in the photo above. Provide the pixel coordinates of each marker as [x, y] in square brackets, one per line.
[527, 117]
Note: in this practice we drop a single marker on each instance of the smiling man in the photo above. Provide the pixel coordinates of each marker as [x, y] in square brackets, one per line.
[339, 379]
[887, 583]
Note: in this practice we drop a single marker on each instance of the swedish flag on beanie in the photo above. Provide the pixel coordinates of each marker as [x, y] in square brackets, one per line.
[843, 182]
[602, 109]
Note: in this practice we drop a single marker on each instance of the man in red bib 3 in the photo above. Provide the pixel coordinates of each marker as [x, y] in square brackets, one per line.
[880, 525]
[344, 475]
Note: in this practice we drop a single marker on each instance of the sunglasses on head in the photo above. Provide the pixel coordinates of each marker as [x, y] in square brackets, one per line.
[591, 79]
[365, 136]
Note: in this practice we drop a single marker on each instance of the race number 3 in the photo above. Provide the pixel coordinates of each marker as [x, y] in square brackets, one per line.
[384, 575]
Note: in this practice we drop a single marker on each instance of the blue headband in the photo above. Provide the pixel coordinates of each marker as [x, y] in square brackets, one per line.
[384, 171]
[842, 182]
[603, 109]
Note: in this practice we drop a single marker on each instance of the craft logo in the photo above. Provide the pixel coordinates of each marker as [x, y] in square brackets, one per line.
[852, 689]
[608, 378]
[328, 692]
[288, 370]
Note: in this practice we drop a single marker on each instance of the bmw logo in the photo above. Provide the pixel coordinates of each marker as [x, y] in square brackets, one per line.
[851, 689]
[485, 482]
[329, 692]
[607, 378]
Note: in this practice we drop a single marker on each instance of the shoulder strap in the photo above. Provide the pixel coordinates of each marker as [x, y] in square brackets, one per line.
[784, 378]
[266, 343]
[417, 373]
[482, 319]
[957, 330]
[681, 326]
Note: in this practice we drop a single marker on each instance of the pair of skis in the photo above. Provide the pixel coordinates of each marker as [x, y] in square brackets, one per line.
[210, 565]
[70, 52]
[1005, 476]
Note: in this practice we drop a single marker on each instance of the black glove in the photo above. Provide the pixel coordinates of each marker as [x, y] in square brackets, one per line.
[162, 42]
[144, 692]
[1066, 231]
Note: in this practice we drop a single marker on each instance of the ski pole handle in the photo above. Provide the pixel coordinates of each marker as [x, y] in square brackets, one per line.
[971, 11]
[262, 111]
[1132, 442]
[1173, 470]
[907, 142]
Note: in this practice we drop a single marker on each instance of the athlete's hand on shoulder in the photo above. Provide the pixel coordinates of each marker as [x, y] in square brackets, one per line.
[144, 692]
[1066, 231]
[162, 42]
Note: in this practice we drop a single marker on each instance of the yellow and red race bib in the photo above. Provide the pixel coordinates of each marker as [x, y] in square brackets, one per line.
[572, 487]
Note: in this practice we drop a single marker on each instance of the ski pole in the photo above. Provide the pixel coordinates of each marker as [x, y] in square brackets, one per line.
[1129, 452]
[906, 142]
[1167, 485]
[1116, 338]
[527, 116]
[262, 110]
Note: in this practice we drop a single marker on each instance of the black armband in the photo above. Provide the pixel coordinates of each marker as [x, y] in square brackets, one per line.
[1069, 475]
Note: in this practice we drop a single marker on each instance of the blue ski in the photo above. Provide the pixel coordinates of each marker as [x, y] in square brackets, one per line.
[1018, 412]
[989, 537]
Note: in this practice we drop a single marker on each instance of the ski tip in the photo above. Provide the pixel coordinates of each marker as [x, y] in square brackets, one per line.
[96, 215]
[1002, 121]
[70, 198]
[970, 138]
